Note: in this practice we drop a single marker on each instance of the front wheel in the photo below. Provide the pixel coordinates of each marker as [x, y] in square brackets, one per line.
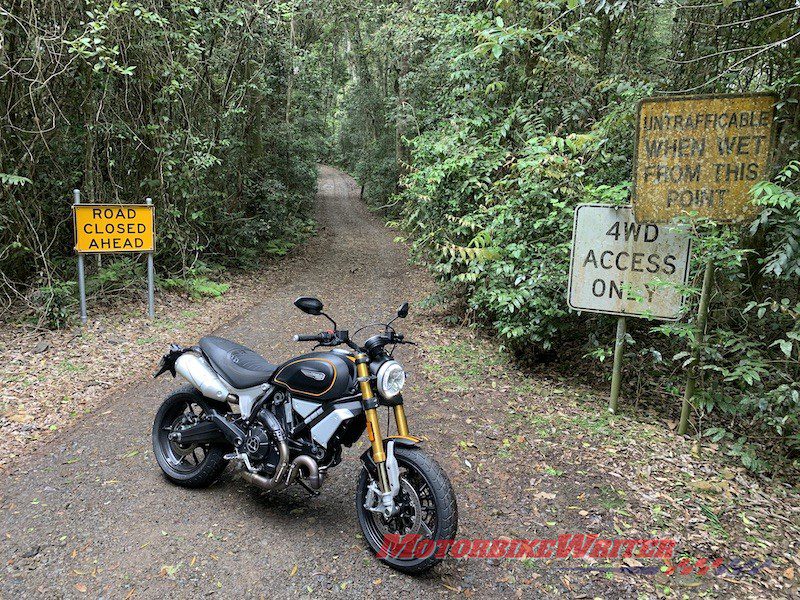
[427, 508]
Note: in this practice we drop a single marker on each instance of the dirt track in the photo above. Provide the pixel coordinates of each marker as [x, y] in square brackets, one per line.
[94, 510]
[91, 516]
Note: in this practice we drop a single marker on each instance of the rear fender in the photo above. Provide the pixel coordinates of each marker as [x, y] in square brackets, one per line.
[167, 362]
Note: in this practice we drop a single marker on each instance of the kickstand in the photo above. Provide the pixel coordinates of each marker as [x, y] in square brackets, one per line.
[311, 491]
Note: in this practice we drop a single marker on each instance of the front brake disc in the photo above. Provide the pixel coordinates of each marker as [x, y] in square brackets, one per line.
[409, 517]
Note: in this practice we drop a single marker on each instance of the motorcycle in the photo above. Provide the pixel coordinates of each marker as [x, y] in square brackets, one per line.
[286, 424]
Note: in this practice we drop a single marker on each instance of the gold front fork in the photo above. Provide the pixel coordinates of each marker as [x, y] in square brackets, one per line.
[400, 419]
[373, 427]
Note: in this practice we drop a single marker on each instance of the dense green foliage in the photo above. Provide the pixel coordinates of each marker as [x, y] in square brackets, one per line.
[511, 113]
[196, 104]
[474, 125]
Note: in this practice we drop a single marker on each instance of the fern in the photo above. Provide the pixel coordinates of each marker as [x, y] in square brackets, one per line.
[196, 287]
[16, 180]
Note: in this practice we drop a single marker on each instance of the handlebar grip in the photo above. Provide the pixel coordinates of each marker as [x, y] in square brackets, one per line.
[306, 337]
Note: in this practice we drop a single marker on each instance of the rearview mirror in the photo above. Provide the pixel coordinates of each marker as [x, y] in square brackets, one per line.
[309, 305]
[402, 312]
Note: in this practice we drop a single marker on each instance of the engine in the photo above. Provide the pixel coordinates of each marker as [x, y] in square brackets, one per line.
[263, 443]
[261, 448]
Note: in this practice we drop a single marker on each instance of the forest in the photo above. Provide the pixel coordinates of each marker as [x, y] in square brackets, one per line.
[475, 127]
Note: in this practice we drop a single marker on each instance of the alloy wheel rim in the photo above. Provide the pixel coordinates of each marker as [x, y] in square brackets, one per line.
[184, 458]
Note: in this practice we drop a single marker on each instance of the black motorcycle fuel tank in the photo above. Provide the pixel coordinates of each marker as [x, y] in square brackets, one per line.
[318, 376]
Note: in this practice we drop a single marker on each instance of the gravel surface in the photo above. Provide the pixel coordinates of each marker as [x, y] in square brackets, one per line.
[53, 378]
[89, 514]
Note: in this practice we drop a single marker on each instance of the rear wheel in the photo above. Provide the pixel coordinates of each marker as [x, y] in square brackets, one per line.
[188, 465]
[427, 507]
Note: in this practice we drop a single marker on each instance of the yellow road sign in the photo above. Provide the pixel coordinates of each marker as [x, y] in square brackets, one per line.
[701, 154]
[114, 228]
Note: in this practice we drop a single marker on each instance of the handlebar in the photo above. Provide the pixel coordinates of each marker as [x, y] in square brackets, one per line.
[334, 338]
[321, 337]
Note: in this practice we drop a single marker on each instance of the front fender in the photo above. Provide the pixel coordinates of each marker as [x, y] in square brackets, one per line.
[399, 440]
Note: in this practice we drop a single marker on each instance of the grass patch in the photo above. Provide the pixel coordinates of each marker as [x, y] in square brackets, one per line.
[196, 287]
[714, 524]
[470, 360]
[72, 367]
[611, 499]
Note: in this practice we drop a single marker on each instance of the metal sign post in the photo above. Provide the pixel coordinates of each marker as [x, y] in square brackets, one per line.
[114, 228]
[616, 373]
[151, 286]
[699, 335]
[76, 194]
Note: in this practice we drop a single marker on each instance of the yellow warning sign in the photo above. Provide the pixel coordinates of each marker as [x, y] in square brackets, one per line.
[701, 154]
[114, 227]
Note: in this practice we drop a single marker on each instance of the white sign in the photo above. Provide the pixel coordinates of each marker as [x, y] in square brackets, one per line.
[621, 267]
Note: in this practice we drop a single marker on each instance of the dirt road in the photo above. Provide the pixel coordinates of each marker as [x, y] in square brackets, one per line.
[91, 515]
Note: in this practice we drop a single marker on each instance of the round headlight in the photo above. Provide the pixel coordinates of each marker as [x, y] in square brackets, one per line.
[391, 378]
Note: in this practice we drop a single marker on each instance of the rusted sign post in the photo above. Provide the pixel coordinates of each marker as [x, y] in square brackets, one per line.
[616, 370]
[114, 228]
[624, 268]
[702, 318]
[699, 156]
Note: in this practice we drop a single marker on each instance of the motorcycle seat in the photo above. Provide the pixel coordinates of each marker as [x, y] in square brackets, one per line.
[241, 366]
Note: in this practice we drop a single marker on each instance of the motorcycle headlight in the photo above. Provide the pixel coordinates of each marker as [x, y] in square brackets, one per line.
[390, 379]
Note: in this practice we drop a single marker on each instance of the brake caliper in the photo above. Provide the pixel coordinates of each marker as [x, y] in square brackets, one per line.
[383, 502]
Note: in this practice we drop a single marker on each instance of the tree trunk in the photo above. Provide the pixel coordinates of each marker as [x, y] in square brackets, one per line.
[605, 40]
[290, 79]
[400, 92]
[90, 137]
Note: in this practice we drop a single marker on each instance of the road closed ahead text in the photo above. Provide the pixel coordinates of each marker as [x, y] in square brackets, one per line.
[114, 228]
[622, 267]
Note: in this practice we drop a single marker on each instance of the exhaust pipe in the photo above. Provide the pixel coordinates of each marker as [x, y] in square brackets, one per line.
[314, 476]
[270, 483]
[196, 370]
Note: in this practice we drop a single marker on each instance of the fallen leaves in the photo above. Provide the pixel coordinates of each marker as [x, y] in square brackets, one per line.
[624, 474]
[711, 487]
[169, 571]
[53, 377]
[545, 496]
[452, 588]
